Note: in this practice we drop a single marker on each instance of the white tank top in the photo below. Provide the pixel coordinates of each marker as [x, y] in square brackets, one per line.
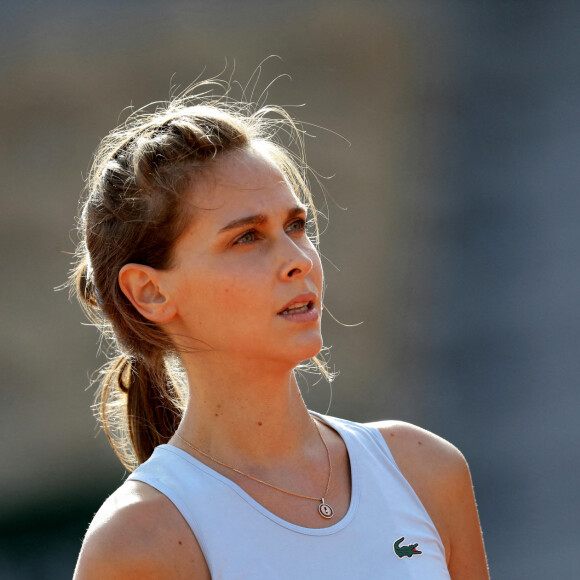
[385, 534]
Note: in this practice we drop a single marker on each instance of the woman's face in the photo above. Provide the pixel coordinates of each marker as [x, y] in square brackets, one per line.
[244, 259]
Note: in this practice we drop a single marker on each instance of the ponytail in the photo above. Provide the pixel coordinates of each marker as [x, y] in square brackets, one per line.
[139, 407]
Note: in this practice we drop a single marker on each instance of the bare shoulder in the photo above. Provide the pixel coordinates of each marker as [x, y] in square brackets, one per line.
[138, 533]
[420, 452]
[438, 473]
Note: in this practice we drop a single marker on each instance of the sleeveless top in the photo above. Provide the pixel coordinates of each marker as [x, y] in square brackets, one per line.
[385, 534]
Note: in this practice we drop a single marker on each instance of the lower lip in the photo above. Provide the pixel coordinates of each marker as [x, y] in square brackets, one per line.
[308, 316]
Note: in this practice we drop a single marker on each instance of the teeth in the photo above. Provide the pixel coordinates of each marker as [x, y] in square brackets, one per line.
[296, 308]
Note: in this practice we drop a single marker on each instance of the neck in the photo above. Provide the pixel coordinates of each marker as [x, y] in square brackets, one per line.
[246, 412]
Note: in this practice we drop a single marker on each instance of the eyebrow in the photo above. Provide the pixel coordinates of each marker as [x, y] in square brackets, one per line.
[259, 219]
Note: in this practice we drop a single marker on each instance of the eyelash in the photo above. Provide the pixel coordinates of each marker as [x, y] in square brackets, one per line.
[239, 241]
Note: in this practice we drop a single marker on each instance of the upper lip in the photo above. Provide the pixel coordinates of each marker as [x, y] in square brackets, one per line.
[308, 297]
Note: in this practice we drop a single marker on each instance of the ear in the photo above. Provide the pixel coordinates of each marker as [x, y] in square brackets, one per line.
[142, 286]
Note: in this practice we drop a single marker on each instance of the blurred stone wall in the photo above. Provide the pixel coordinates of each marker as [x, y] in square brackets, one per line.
[458, 250]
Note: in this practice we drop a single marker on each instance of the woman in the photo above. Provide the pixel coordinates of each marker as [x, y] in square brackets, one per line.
[195, 260]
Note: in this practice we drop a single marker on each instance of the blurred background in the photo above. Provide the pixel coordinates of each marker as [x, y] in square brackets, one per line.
[458, 249]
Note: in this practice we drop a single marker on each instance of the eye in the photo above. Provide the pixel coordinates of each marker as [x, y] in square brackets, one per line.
[246, 237]
[298, 225]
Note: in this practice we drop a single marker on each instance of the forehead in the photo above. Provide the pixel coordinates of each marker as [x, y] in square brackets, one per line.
[241, 183]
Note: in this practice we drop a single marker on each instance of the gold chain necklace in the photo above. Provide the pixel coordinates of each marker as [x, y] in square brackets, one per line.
[323, 509]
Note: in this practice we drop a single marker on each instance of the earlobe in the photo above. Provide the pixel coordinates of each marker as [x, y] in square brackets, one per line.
[141, 285]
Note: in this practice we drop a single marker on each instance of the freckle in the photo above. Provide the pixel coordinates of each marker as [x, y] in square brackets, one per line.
[219, 406]
[419, 443]
[180, 542]
[216, 415]
[260, 423]
[392, 434]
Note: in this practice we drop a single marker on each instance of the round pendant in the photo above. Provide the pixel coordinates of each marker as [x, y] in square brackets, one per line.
[325, 510]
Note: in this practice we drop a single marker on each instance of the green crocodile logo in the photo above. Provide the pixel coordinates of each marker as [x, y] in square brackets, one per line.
[403, 551]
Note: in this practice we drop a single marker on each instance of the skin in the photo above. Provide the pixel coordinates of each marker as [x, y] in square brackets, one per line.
[220, 302]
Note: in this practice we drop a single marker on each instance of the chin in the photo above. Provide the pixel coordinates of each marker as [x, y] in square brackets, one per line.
[307, 351]
[290, 353]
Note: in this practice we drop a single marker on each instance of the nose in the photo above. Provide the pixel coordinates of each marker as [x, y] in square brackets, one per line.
[297, 262]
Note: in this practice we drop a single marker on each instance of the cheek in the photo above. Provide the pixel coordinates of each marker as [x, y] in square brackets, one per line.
[218, 303]
[237, 296]
[317, 272]
[229, 299]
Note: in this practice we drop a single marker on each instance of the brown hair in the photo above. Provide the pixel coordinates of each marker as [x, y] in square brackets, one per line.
[133, 212]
